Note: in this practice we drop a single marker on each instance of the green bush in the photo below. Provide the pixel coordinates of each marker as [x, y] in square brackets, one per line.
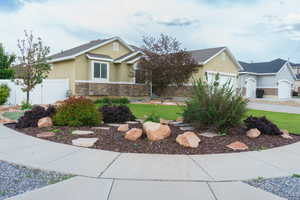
[4, 93]
[153, 117]
[77, 112]
[112, 101]
[7, 73]
[26, 106]
[214, 106]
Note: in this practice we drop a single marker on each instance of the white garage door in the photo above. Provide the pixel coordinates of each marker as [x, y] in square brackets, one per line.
[284, 89]
[224, 78]
[250, 88]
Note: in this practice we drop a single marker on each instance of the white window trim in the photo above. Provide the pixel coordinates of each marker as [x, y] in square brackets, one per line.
[222, 73]
[99, 79]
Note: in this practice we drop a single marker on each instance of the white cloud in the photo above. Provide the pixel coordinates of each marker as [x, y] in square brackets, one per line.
[244, 28]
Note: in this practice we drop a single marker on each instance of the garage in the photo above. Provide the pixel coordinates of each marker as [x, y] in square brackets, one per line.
[284, 89]
[250, 88]
[223, 78]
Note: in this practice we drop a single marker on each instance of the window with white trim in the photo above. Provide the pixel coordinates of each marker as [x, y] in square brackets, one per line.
[116, 46]
[100, 71]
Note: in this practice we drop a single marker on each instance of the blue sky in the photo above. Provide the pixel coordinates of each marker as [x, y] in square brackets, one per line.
[254, 30]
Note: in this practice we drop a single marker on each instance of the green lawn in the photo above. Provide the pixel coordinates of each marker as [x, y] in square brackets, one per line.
[283, 120]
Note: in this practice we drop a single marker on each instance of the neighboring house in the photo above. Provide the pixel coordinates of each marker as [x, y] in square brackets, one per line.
[100, 68]
[276, 78]
[211, 61]
[109, 68]
[296, 67]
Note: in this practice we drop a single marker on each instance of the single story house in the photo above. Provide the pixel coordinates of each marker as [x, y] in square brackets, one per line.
[109, 67]
[276, 78]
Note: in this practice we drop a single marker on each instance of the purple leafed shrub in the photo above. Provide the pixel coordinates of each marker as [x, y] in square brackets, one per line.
[31, 117]
[264, 125]
[116, 114]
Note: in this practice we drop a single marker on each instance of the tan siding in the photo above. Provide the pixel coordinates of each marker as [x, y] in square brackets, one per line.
[220, 63]
[107, 50]
[64, 70]
[82, 68]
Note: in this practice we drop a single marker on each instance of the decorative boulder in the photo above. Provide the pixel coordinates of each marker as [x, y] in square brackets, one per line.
[286, 135]
[134, 134]
[156, 131]
[123, 128]
[253, 133]
[188, 139]
[46, 134]
[45, 122]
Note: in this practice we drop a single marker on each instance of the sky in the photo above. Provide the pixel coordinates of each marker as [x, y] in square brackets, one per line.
[254, 30]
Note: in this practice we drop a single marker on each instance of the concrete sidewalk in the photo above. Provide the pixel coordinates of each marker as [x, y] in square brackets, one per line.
[131, 176]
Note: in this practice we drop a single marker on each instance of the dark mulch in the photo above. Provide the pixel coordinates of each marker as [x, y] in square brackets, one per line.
[114, 141]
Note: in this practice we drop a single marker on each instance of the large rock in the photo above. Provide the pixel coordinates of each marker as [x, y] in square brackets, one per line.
[253, 133]
[45, 122]
[164, 121]
[188, 139]
[84, 142]
[156, 131]
[286, 134]
[133, 134]
[123, 128]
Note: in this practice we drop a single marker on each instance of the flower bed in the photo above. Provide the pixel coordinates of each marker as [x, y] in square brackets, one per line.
[113, 140]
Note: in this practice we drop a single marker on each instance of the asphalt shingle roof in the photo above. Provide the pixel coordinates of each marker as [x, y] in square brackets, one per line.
[99, 55]
[78, 49]
[263, 67]
[202, 55]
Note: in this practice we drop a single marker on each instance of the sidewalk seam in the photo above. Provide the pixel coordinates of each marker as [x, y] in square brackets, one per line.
[110, 190]
[204, 170]
[211, 190]
[110, 164]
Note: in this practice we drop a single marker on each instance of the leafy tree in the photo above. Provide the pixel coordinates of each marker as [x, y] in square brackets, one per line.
[6, 60]
[33, 63]
[166, 63]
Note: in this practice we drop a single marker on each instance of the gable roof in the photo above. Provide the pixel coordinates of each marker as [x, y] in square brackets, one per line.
[202, 55]
[272, 67]
[73, 52]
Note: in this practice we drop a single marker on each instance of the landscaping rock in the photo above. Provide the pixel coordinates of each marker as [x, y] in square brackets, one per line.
[84, 142]
[286, 136]
[174, 123]
[101, 128]
[181, 124]
[156, 131]
[7, 121]
[134, 134]
[253, 133]
[45, 122]
[237, 146]
[80, 132]
[187, 128]
[45, 135]
[114, 125]
[284, 131]
[132, 122]
[209, 134]
[123, 128]
[188, 139]
[164, 121]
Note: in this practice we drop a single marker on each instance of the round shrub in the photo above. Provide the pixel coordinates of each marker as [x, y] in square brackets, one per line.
[264, 125]
[215, 106]
[77, 111]
[31, 117]
[116, 114]
[4, 93]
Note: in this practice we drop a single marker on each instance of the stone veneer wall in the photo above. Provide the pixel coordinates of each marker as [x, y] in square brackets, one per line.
[183, 91]
[108, 89]
[270, 91]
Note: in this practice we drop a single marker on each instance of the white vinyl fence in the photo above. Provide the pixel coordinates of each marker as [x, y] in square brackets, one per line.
[50, 91]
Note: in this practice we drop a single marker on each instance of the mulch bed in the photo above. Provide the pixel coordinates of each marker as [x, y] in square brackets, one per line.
[113, 140]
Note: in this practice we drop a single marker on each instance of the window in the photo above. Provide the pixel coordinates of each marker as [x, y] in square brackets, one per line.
[116, 46]
[140, 76]
[100, 70]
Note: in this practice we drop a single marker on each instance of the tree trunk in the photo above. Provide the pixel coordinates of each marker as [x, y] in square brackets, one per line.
[27, 97]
